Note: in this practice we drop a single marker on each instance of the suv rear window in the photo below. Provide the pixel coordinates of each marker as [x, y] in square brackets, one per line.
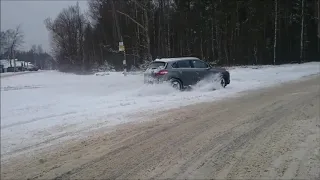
[156, 65]
[184, 64]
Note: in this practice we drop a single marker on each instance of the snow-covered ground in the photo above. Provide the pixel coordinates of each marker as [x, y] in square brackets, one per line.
[48, 107]
[7, 74]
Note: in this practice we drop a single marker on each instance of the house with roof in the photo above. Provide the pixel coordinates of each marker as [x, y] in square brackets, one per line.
[4, 64]
[7, 65]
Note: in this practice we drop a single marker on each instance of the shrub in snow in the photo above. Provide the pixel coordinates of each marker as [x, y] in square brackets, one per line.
[133, 68]
[102, 74]
[144, 65]
[103, 68]
[213, 64]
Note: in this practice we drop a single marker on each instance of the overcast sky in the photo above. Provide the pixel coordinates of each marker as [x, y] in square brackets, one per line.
[31, 15]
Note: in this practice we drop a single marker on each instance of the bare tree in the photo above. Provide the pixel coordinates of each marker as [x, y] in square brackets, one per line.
[4, 40]
[39, 49]
[318, 11]
[34, 52]
[302, 30]
[34, 48]
[67, 37]
[15, 39]
[144, 27]
[39, 59]
[94, 9]
[275, 30]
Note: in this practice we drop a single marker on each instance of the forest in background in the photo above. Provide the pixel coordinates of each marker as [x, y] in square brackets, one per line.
[11, 42]
[222, 32]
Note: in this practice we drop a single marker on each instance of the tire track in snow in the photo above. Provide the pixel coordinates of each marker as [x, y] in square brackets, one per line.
[16, 88]
[35, 119]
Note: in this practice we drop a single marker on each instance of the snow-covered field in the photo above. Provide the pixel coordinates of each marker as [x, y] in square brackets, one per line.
[47, 107]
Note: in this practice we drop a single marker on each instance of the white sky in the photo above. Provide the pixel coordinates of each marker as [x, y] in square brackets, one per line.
[31, 15]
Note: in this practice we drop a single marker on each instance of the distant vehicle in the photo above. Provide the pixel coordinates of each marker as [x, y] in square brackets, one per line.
[32, 67]
[183, 72]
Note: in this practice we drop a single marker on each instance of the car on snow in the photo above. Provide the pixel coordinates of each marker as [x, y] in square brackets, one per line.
[32, 67]
[183, 72]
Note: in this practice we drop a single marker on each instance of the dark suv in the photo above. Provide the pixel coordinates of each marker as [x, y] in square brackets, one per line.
[183, 72]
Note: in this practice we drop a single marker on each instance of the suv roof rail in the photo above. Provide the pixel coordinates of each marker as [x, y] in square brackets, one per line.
[175, 59]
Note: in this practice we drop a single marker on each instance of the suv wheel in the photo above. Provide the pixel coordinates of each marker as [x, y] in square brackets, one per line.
[223, 82]
[176, 84]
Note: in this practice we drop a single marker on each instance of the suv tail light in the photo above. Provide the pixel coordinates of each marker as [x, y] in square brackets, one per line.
[162, 72]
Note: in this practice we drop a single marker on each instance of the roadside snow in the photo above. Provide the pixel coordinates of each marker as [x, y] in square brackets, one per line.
[43, 108]
[7, 74]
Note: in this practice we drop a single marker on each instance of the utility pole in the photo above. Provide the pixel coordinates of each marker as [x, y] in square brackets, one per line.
[14, 62]
[121, 44]
[302, 31]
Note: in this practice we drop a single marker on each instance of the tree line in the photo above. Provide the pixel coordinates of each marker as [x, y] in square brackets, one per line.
[11, 42]
[38, 57]
[223, 32]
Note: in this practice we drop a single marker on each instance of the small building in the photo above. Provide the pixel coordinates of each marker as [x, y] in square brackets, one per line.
[4, 64]
[8, 65]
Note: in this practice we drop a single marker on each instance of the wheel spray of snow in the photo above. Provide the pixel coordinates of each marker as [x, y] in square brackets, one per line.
[156, 89]
[212, 82]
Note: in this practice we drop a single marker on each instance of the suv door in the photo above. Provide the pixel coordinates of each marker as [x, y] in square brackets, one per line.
[185, 71]
[201, 69]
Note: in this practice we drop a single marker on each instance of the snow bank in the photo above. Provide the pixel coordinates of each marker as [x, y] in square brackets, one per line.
[48, 107]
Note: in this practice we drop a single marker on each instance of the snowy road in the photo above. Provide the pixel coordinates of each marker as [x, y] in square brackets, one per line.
[41, 109]
[270, 133]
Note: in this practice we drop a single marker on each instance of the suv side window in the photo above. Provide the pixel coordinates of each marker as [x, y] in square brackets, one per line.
[199, 64]
[184, 64]
[175, 65]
